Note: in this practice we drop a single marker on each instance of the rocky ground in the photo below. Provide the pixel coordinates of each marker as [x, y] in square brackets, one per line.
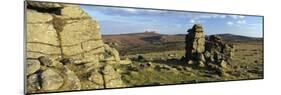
[168, 69]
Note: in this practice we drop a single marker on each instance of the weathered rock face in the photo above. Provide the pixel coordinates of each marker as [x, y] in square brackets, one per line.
[195, 45]
[217, 50]
[62, 34]
[70, 33]
[211, 52]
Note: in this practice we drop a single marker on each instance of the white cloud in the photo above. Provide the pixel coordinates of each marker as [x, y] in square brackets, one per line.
[206, 16]
[234, 16]
[217, 16]
[210, 16]
[241, 17]
[195, 21]
[199, 17]
[230, 23]
[192, 21]
[156, 11]
[238, 20]
[136, 11]
[237, 16]
[130, 10]
[241, 22]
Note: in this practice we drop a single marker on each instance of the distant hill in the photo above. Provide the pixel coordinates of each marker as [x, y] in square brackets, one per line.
[153, 41]
[235, 38]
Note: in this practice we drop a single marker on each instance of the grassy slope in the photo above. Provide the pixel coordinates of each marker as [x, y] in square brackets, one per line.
[246, 64]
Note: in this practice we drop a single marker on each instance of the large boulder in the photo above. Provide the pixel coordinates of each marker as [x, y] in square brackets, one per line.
[69, 33]
[61, 37]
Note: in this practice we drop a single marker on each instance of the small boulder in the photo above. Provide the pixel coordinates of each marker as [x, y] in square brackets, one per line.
[112, 78]
[187, 68]
[144, 65]
[207, 54]
[157, 67]
[115, 54]
[32, 66]
[133, 67]
[112, 52]
[218, 70]
[201, 64]
[223, 64]
[190, 62]
[126, 61]
[32, 83]
[96, 77]
[201, 57]
[71, 80]
[141, 58]
[180, 68]
[149, 64]
[51, 80]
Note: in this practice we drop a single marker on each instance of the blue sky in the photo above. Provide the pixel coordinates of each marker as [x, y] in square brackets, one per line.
[114, 20]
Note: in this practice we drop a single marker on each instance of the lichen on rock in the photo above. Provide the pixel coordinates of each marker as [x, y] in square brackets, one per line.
[60, 39]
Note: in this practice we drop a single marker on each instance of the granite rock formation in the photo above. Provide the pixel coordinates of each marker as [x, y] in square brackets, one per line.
[218, 52]
[211, 52]
[60, 38]
[195, 45]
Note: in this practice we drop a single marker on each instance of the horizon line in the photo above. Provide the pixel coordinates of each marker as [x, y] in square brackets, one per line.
[177, 34]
